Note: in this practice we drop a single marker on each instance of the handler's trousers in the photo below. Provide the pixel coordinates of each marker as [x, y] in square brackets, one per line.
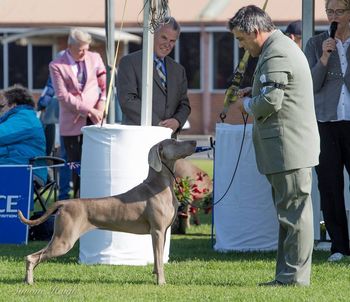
[291, 192]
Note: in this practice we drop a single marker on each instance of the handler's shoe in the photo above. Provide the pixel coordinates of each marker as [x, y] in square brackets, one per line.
[335, 257]
[272, 283]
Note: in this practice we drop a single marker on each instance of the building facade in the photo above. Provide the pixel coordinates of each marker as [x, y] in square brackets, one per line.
[206, 48]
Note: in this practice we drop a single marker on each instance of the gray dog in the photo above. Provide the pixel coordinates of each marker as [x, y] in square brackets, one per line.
[148, 208]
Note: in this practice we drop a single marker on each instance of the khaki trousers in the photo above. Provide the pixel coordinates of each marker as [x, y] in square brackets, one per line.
[291, 192]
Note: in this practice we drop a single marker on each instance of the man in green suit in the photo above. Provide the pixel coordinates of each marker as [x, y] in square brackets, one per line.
[285, 136]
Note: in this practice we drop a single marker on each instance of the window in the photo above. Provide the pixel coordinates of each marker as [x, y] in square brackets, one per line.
[222, 59]
[190, 57]
[18, 65]
[133, 46]
[42, 56]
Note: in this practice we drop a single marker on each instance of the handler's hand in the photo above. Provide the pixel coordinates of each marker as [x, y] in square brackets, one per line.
[244, 92]
[170, 123]
[238, 105]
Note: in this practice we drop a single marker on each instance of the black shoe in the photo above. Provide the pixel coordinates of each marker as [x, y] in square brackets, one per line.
[273, 283]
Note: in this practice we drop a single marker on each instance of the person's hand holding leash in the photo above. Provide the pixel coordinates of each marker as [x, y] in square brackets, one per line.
[242, 94]
[247, 91]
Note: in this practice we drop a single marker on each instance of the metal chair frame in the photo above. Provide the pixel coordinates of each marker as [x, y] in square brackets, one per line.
[51, 185]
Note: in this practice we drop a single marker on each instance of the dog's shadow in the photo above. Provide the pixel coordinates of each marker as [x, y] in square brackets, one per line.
[180, 251]
[75, 281]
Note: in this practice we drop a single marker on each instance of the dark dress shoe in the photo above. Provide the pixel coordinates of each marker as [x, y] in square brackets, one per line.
[273, 283]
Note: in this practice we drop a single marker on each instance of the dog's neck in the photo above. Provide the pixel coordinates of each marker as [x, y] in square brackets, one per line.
[165, 175]
[169, 167]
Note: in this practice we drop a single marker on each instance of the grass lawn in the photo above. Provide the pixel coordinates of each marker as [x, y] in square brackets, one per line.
[195, 272]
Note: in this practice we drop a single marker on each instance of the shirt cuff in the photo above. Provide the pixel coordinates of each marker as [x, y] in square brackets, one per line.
[247, 105]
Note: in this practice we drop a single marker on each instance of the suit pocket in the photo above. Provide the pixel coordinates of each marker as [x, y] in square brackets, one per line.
[271, 132]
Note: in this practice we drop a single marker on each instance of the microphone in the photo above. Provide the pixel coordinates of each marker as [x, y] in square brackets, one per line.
[332, 30]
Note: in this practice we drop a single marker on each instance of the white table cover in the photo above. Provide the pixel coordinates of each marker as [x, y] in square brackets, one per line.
[115, 159]
[245, 219]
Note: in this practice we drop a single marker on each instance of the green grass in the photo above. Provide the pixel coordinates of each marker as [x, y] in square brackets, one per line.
[195, 272]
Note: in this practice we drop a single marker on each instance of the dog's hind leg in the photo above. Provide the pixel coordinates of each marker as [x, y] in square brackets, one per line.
[62, 241]
[31, 262]
[158, 240]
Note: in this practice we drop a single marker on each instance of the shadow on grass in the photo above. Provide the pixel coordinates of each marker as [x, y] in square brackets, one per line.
[195, 246]
[107, 280]
[74, 281]
[199, 248]
[19, 252]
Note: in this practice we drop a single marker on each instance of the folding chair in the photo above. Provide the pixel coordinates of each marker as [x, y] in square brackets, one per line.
[43, 192]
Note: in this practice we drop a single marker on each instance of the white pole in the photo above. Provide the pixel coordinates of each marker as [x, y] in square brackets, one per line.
[308, 17]
[110, 43]
[147, 69]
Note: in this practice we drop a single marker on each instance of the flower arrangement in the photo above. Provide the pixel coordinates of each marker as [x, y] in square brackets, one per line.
[188, 193]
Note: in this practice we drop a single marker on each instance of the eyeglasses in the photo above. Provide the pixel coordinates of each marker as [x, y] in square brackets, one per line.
[337, 12]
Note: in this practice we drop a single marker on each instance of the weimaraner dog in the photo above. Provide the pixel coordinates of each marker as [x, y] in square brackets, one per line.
[148, 208]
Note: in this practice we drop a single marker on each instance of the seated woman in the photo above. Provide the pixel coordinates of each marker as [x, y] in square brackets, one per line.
[21, 133]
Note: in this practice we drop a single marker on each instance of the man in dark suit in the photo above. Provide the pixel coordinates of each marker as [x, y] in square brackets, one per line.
[170, 105]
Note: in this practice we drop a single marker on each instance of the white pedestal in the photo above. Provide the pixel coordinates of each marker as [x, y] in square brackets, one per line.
[114, 160]
[245, 219]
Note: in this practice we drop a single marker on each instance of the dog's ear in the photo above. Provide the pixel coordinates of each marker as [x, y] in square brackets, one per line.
[154, 160]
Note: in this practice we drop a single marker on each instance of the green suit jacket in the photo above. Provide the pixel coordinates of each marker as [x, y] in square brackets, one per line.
[285, 130]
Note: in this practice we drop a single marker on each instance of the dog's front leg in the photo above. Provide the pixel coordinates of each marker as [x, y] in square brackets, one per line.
[158, 240]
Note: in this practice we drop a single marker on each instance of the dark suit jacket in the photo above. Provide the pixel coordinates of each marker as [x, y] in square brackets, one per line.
[172, 103]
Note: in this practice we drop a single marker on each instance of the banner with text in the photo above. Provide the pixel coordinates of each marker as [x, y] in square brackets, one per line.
[15, 194]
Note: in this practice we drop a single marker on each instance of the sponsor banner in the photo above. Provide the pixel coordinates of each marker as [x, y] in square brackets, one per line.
[15, 194]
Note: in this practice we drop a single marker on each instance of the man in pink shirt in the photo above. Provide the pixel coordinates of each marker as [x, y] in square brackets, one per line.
[79, 80]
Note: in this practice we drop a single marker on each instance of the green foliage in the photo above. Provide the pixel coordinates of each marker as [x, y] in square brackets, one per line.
[195, 272]
[183, 189]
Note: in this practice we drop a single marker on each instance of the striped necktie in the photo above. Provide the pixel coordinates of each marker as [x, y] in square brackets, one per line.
[81, 74]
[161, 72]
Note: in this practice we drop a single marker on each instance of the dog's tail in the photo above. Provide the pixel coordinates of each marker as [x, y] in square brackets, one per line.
[41, 219]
